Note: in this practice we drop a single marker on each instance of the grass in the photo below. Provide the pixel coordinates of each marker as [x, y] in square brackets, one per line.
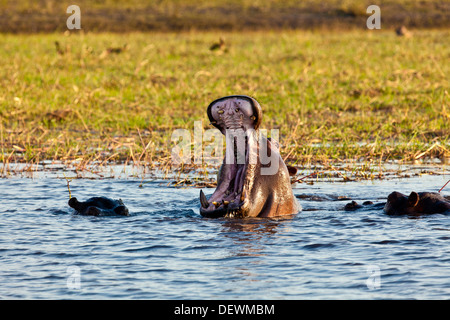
[363, 96]
[30, 16]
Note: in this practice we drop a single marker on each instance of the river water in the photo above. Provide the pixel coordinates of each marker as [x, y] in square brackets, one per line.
[166, 250]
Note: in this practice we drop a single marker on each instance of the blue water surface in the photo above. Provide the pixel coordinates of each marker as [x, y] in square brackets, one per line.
[166, 250]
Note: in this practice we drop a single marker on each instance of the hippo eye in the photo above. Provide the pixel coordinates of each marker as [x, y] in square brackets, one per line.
[237, 109]
[220, 111]
[253, 118]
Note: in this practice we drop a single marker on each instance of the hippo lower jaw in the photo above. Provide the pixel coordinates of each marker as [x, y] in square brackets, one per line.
[226, 211]
[229, 199]
[225, 203]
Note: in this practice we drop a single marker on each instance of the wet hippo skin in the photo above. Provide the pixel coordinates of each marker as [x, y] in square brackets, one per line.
[369, 205]
[99, 206]
[247, 184]
[416, 203]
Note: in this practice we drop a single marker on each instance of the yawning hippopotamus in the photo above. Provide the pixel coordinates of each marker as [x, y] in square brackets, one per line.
[416, 204]
[99, 206]
[248, 185]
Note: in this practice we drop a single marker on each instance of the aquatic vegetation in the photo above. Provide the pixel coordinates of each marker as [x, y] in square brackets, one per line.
[363, 98]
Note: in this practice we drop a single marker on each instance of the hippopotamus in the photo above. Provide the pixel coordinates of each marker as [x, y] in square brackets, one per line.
[416, 203]
[247, 184]
[353, 206]
[99, 206]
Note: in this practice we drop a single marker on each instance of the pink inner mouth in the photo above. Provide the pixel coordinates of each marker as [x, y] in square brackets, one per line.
[228, 194]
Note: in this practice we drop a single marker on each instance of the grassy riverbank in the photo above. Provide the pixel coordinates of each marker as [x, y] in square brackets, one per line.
[359, 95]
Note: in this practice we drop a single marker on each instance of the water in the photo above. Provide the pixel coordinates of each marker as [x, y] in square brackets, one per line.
[166, 250]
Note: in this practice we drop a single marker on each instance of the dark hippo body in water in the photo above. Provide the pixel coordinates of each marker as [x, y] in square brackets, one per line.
[353, 206]
[253, 180]
[416, 203]
[99, 206]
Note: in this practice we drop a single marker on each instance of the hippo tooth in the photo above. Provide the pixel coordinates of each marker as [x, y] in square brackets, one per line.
[203, 200]
[242, 196]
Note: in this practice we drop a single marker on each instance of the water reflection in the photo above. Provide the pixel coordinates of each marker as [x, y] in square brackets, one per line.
[249, 252]
[250, 236]
[256, 226]
[170, 252]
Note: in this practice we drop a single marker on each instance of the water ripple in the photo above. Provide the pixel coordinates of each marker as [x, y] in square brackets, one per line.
[165, 250]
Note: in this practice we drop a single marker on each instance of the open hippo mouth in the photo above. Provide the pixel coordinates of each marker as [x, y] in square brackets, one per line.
[237, 117]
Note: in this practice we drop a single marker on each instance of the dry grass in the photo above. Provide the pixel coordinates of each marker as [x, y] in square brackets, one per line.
[30, 16]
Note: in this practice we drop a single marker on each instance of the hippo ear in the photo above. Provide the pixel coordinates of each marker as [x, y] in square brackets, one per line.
[413, 199]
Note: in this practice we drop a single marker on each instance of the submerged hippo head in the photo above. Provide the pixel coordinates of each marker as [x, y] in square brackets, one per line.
[245, 186]
[416, 203]
[99, 206]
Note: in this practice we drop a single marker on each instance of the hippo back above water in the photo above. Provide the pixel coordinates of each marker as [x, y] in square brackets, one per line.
[99, 206]
[416, 203]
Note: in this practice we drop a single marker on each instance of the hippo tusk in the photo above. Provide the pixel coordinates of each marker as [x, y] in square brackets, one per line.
[203, 201]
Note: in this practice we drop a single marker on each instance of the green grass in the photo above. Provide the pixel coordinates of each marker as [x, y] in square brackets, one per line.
[359, 95]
